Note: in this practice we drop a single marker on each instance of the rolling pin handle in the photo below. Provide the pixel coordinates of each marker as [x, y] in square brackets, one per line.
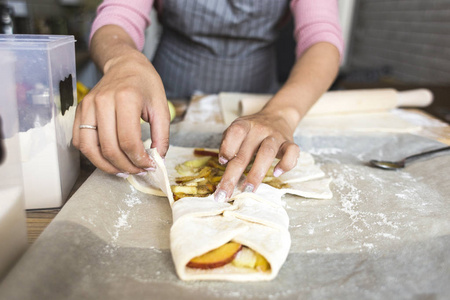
[414, 98]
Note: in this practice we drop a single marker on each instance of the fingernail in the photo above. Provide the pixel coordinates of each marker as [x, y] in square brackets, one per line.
[277, 172]
[151, 169]
[122, 175]
[141, 174]
[222, 160]
[220, 196]
[248, 188]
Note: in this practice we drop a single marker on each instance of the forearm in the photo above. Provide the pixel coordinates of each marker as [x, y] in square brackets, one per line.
[311, 76]
[111, 43]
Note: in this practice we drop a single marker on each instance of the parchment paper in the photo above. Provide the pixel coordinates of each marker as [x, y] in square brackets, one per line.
[384, 235]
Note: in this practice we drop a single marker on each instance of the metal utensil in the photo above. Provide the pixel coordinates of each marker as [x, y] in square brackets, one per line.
[394, 165]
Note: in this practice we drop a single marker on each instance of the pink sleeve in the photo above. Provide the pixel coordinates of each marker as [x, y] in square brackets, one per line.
[131, 15]
[316, 21]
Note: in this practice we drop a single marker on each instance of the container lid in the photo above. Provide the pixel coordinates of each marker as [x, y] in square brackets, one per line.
[33, 41]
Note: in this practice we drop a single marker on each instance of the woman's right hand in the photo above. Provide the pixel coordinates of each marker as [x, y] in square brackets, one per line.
[129, 90]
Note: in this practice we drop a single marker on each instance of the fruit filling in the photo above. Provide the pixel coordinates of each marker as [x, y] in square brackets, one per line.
[234, 253]
[200, 176]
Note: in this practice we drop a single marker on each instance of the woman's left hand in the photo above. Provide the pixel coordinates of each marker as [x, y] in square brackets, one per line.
[267, 134]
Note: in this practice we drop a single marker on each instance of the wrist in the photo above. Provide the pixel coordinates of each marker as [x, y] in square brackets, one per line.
[310, 77]
[291, 103]
[127, 58]
[111, 44]
[284, 111]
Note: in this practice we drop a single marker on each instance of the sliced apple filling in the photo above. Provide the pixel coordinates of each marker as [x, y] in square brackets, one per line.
[200, 177]
[238, 255]
[247, 258]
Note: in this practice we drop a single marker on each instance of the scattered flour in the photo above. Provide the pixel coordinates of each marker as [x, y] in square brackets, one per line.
[388, 235]
[418, 119]
[131, 200]
[369, 246]
[311, 229]
[122, 220]
[367, 224]
[125, 209]
[89, 220]
[401, 196]
[325, 151]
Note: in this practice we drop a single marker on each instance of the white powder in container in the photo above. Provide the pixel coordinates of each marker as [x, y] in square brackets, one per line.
[50, 165]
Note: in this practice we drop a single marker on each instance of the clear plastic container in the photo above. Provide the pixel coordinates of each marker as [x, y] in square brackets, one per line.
[45, 93]
[13, 238]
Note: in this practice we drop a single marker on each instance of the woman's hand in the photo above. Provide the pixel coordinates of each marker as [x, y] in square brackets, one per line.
[130, 89]
[269, 135]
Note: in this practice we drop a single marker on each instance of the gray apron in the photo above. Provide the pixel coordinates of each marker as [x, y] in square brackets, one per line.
[218, 45]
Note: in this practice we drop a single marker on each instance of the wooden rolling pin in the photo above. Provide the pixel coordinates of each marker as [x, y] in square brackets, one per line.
[351, 101]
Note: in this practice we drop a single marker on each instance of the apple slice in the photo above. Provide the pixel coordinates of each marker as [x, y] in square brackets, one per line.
[177, 189]
[246, 258]
[197, 163]
[261, 264]
[184, 170]
[216, 258]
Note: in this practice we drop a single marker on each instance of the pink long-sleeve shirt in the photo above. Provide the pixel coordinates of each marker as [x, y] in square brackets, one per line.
[315, 21]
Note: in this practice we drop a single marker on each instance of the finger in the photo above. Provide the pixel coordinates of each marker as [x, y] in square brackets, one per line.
[289, 153]
[108, 139]
[159, 119]
[236, 167]
[232, 140]
[263, 161]
[88, 141]
[76, 127]
[128, 128]
[94, 154]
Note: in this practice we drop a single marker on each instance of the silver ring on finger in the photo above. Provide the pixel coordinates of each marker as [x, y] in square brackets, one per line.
[88, 127]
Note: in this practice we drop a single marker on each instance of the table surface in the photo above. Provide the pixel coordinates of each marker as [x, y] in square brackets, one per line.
[38, 220]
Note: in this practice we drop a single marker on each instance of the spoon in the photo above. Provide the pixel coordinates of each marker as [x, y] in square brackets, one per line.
[394, 165]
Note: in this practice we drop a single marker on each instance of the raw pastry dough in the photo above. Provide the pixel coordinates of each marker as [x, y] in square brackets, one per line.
[256, 220]
[304, 171]
[209, 225]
